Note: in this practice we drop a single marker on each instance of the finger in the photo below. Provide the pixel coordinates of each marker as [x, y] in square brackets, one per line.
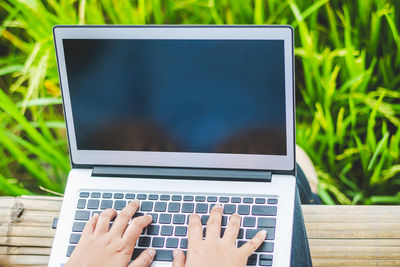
[145, 258]
[214, 222]
[90, 225]
[195, 232]
[135, 228]
[249, 247]
[179, 258]
[232, 230]
[122, 220]
[103, 223]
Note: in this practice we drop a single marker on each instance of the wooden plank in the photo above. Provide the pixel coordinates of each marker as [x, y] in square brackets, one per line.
[386, 242]
[29, 259]
[25, 250]
[354, 263]
[24, 241]
[355, 252]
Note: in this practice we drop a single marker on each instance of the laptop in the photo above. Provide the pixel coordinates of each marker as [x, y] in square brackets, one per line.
[179, 117]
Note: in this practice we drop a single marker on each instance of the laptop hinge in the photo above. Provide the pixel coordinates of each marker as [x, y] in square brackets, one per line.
[182, 173]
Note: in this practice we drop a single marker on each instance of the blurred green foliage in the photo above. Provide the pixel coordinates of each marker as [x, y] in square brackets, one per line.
[347, 81]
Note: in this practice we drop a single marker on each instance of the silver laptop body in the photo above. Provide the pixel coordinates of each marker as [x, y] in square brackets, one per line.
[195, 157]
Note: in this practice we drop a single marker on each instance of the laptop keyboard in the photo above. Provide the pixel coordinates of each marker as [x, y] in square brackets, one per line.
[171, 217]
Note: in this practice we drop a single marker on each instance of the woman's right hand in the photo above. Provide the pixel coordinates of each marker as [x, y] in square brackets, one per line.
[214, 250]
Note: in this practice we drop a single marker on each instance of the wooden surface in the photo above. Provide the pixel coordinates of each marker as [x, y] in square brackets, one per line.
[338, 235]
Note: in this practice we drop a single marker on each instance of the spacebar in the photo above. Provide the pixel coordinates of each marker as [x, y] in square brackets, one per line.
[163, 255]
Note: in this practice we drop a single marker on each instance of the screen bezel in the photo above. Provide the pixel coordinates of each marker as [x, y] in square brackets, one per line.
[180, 159]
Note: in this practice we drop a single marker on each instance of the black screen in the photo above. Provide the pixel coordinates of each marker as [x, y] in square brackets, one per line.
[223, 96]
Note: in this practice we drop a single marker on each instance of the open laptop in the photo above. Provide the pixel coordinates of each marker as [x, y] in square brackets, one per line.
[179, 117]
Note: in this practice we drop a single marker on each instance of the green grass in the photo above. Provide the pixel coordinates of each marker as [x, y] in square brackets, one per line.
[347, 82]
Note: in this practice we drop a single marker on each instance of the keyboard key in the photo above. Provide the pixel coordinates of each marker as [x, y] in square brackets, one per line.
[137, 252]
[107, 195]
[82, 215]
[200, 198]
[163, 255]
[167, 230]
[266, 222]
[84, 194]
[165, 218]
[174, 207]
[188, 198]
[244, 209]
[211, 206]
[179, 219]
[229, 209]
[158, 242]
[183, 244]
[249, 221]
[224, 220]
[252, 260]
[241, 233]
[176, 198]
[260, 200]
[201, 208]
[74, 238]
[95, 195]
[119, 204]
[153, 229]
[106, 204]
[96, 211]
[146, 206]
[118, 195]
[78, 226]
[172, 242]
[138, 214]
[240, 243]
[141, 196]
[160, 206]
[165, 197]
[204, 219]
[130, 196]
[93, 204]
[187, 207]
[270, 233]
[266, 247]
[144, 241]
[224, 199]
[265, 260]
[222, 231]
[248, 200]
[236, 199]
[250, 233]
[211, 199]
[153, 197]
[155, 217]
[272, 201]
[180, 230]
[264, 210]
[70, 250]
[81, 203]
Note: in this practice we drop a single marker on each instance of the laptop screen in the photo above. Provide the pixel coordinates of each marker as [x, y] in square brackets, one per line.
[209, 96]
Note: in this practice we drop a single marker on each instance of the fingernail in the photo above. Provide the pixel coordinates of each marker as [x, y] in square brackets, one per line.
[217, 205]
[263, 232]
[136, 201]
[175, 252]
[152, 252]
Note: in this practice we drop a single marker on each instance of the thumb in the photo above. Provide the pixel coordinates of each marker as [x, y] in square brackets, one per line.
[179, 258]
